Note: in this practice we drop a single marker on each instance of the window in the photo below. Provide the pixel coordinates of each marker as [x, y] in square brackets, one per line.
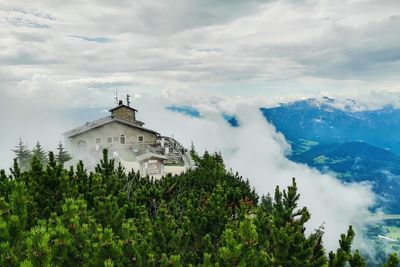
[81, 145]
[109, 139]
[140, 138]
[122, 139]
[115, 139]
[98, 140]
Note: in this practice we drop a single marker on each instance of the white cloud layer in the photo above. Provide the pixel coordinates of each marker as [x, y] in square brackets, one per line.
[257, 152]
[275, 47]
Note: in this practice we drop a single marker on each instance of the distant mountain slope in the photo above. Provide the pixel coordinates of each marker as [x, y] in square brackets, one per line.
[352, 151]
[329, 139]
[323, 123]
[356, 162]
[364, 161]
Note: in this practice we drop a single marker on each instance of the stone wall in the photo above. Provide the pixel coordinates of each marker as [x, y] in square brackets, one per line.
[113, 132]
[124, 113]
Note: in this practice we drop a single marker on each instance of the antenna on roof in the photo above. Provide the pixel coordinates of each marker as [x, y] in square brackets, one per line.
[116, 97]
[127, 100]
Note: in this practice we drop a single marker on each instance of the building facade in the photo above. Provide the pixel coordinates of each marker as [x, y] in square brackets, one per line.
[129, 142]
[120, 132]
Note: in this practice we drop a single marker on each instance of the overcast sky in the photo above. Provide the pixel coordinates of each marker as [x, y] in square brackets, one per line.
[70, 50]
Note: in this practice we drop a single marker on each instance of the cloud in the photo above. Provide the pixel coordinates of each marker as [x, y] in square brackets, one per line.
[44, 90]
[258, 152]
[260, 155]
[30, 121]
[255, 47]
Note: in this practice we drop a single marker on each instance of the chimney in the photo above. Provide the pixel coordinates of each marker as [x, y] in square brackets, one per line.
[123, 112]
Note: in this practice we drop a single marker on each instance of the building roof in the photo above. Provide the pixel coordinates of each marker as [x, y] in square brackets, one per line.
[103, 121]
[150, 155]
[122, 106]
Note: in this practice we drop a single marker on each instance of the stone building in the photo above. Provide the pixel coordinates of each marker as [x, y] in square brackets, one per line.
[120, 132]
[128, 141]
[151, 163]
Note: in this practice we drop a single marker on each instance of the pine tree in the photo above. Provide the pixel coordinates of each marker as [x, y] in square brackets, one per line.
[40, 153]
[344, 255]
[62, 155]
[23, 155]
[393, 261]
[204, 217]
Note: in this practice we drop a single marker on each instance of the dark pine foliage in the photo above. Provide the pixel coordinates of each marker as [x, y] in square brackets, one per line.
[50, 216]
[23, 155]
[62, 155]
[40, 153]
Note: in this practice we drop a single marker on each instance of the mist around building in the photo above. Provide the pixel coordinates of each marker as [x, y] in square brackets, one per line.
[129, 142]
